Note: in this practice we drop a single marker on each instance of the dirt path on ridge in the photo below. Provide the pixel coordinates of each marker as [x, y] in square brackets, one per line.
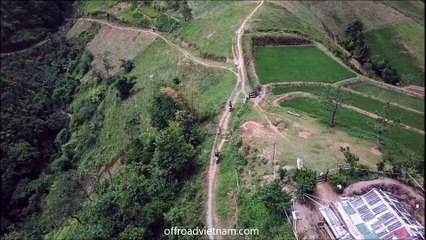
[211, 217]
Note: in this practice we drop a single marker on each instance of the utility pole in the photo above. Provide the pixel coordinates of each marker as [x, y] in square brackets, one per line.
[273, 157]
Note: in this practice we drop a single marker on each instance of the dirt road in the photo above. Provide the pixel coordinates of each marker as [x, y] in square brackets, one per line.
[25, 49]
[211, 218]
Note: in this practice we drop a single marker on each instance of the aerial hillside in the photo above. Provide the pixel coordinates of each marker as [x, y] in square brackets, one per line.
[132, 119]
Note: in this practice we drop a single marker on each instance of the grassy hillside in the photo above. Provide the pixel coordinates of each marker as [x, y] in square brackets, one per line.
[297, 63]
[415, 9]
[213, 34]
[402, 46]
[337, 15]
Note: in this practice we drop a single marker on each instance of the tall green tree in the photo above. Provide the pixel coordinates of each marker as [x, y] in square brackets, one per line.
[350, 158]
[173, 159]
[333, 100]
[382, 123]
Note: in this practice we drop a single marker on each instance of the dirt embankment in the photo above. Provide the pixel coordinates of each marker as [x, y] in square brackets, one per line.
[194, 47]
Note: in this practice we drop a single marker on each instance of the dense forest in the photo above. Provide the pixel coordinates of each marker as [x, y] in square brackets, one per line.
[36, 90]
[24, 23]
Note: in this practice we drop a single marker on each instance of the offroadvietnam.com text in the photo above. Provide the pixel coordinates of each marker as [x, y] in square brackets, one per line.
[209, 231]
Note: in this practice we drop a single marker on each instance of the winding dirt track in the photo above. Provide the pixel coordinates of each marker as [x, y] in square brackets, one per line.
[25, 49]
[211, 218]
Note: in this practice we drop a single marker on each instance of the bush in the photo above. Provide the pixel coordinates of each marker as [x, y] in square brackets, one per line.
[127, 65]
[362, 170]
[337, 179]
[124, 85]
[305, 180]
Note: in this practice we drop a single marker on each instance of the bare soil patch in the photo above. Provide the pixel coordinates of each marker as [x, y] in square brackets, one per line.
[326, 192]
[255, 128]
[211, 34]
[305, 134]
[375, 151]
[407, 195]
[416, 89]
[122, 44]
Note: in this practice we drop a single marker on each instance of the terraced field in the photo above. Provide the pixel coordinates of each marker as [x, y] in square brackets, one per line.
[297, 63]
[410, 118]
[391, 96]
[355, 123]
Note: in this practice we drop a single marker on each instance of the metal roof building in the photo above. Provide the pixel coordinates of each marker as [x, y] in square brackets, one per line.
[374, 215]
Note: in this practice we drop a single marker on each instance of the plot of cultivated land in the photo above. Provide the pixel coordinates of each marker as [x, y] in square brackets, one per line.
[207, 8]
[122, 44]
[78, 27]
[213, 34]
[304, 138]
[297, 63]
[413, 9]
[356, 124]
[285, 15]
[402, 46]
[336, 15]
[374, 106]
[391, 96]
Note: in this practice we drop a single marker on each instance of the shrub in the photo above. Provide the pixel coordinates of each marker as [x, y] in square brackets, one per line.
[127, 65]
[124, 85]
[337, 179]
[362, 170]
[305, 180]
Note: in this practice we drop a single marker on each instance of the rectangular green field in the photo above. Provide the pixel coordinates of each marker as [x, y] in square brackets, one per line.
[407, 117]
[297, 63]
[356, 124]
[402, 46]
[391, 96]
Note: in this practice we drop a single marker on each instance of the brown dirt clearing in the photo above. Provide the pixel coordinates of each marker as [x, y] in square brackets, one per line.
[122, 44]
[255, 128]
[375, 151]
[305, 134]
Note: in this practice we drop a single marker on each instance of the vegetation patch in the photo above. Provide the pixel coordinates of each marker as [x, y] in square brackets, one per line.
[297, 63]
[402, 46]
[390, 96]
[357, 124]
[410, 118]
[337, 15]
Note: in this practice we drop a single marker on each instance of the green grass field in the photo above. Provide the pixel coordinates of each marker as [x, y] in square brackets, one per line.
[301, 63]
[402, 46]
[391, 96]
[213, 35]
[413, 9]
[413, 119]
[90, 6]
[356, 124]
